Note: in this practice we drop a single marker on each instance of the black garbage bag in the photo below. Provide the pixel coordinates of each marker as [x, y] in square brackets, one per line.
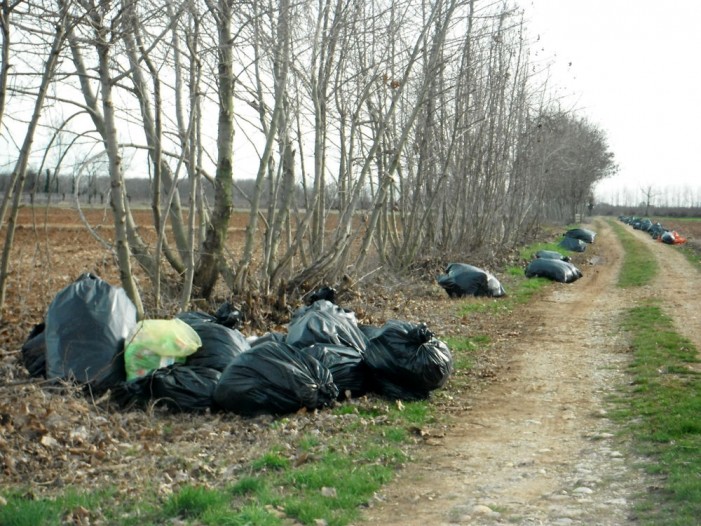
[272, 336]
[229, 316]
[562, 271]
[462, 279]
[226, 315]
[347, 366]
[552, 254]
[323, 293]
[86, 325]
[220, 344]
[274, 378]
[656, 231]
[370, 331]
[324, 322]
[573, 244]
[179, 387]
[34, 352]
[407, 361]
[645, 225]
[582, 234]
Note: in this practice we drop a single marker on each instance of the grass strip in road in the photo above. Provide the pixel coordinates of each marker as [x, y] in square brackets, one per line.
[661, 413]
[639, 264]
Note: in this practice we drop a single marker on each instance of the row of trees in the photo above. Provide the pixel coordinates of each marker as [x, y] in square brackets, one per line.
[49, 189]
[659, 195]
[436, 111]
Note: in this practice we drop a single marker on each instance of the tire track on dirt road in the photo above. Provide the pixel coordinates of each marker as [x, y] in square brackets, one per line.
[536, 447]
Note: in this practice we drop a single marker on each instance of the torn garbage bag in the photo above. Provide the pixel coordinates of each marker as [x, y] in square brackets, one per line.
[179, 387]
[407, 361]
[274, 378]
[324, 322]
[153, 344]
[220, 344]
[347, 366]
[86, 325]
[462, 279]
[562, 271]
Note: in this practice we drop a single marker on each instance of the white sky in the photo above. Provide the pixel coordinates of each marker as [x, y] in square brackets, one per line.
[635, 73]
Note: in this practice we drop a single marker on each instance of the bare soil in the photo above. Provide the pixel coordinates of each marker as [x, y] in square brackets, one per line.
[528, 442]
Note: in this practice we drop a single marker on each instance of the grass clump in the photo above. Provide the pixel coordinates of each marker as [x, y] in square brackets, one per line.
[639, 264]
[193, 501]
[661, 411]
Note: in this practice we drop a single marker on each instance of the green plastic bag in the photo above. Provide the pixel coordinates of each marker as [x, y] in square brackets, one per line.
[153, 344]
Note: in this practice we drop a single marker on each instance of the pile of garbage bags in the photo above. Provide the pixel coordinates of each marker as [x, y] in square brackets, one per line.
[556, 266]
[656, 230]
[461, 279]
[197, 361]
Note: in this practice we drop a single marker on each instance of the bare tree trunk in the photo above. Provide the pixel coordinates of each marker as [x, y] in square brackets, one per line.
[195, 158]
[6, 8]
[118, 193]
[207, 270]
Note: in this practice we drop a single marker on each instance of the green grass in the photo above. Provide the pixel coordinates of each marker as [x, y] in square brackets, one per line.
[661, 412]
[639, 264]
[193, 502]
[22, 509]
[464, 350]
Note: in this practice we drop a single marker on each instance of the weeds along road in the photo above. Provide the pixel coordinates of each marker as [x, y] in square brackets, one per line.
[536, 447]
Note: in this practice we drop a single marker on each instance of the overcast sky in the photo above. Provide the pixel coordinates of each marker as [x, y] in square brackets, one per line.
[636, 73]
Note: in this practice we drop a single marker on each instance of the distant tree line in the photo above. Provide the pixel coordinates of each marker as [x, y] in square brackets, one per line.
[431, 120]
[46, 188]
[641, 210]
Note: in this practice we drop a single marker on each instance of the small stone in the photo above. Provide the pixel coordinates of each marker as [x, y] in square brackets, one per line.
[481, 509]
[582, 490]
[328, 492]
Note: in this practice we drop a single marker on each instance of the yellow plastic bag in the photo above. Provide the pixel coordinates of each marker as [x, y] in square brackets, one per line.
[153, 344]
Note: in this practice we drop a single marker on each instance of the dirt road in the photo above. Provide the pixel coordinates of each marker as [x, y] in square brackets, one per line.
[537, 446]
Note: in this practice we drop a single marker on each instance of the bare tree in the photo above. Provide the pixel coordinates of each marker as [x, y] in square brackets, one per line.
[210, 260]
[19, 173]
[649, 194]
